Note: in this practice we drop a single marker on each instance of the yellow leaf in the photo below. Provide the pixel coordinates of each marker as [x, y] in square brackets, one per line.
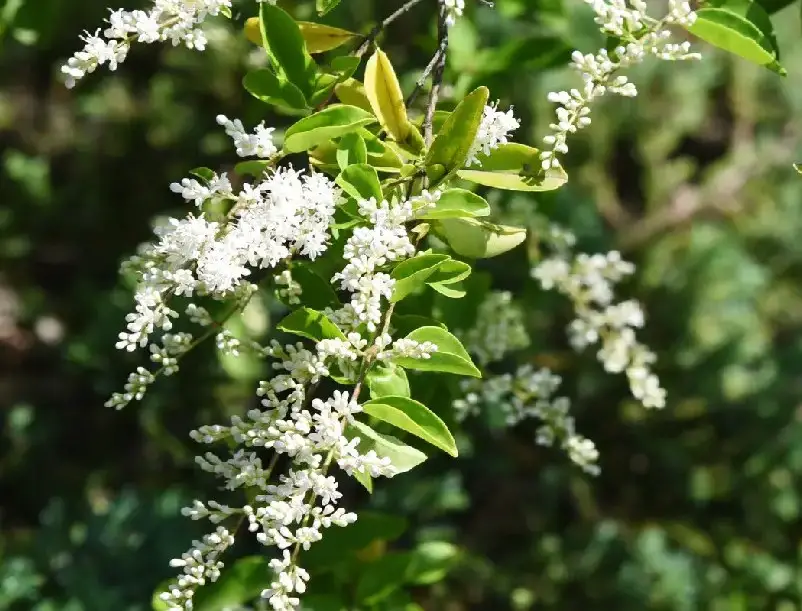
[252, 31]
[352, 92]
[321, 38]
[386, 99]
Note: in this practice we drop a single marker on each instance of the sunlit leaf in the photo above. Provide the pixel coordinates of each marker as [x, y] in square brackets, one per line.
[514, 167]
[450, 357]
[332, 122]
[385, 96]
[402, 456]
[414, 418]
[311, 324]
[450, 148]
[479, 239]
[321, 38]
[456, 203]
[286, 48]
[385, 379]
[740, 27]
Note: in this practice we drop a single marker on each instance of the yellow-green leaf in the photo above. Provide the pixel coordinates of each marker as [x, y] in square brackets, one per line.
[352, 92]
[740, 27]
[321, 38]
[332, 122]
[385, 96]
[479, 239]
[514, 167]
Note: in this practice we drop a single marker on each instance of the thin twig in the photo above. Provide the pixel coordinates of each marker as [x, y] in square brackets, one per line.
[423, 77]
[437, 73]
[383, 24]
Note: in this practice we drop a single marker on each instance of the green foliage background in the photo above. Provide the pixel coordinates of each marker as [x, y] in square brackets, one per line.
[697, 507]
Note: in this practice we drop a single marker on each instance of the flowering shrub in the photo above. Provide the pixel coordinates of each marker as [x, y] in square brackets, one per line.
[362, 208]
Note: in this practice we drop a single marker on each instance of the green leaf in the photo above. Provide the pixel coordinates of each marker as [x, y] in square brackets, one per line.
[455, 291]
[266, 86]
[286, 48]
[324, 6]
[450, 148]
[333, 122]
[740, 27]
[351, 150]
[431, 562]
[382, 577]
[237, 585]
[385, 379]
[450, 357]
[344, 66]
[252, 167]
[316, 291]
[402, 456]
[514, 167]
[411, 275]
[360, 181]
[447, 278]
[311, 324]
[204, 174]
[320, 38]
[386, 98]
[479, 239]
[456, 203]
[414, 418]
[365, 480]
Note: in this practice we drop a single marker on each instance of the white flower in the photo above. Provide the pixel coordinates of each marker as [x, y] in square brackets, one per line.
[589, 281]
[453, 9]
[648, 36]
[493, 130]
[292, 510]
[257, 144]
[174, 21]
[529, 393]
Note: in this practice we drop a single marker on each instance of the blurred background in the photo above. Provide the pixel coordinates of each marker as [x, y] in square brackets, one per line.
[697, 507]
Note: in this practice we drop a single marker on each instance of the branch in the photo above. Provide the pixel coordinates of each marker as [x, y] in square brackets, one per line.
[437, 74]
[383, 24]
[719, 194]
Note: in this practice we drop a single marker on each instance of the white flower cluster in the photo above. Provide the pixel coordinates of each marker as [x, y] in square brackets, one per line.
[499, 328]
[257, 144]
[174, 21]
[493, 130]
[642, 36]
[529, 393]
[453, 9]
[589, 280]
[368, 249]
[290, 511]
[287, 213]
